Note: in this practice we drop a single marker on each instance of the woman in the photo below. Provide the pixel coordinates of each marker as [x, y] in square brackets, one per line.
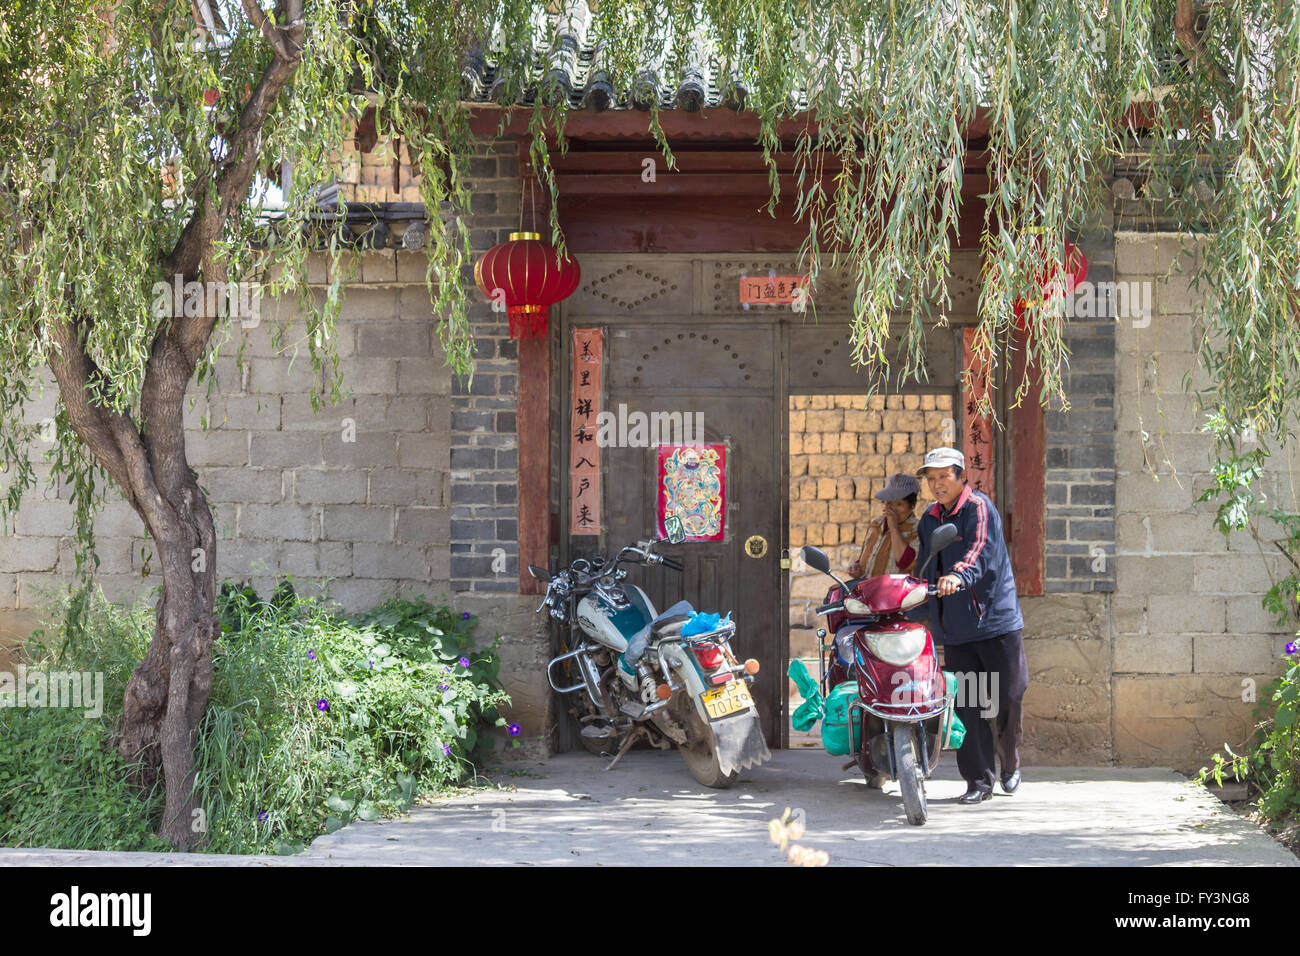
[890, 547]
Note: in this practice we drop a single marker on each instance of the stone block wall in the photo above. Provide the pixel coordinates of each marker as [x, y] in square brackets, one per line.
[409, 483]
[1190, 637]
[355, 494]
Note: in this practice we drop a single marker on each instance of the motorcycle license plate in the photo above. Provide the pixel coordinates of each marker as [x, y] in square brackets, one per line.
[731, 697]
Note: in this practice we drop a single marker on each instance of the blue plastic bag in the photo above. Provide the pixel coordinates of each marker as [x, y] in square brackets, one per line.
[701, 623]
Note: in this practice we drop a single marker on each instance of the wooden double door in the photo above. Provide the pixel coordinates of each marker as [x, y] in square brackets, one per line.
[737, 373]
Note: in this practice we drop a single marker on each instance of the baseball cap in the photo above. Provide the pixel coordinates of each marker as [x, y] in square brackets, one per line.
[899, 487]
[942, 458]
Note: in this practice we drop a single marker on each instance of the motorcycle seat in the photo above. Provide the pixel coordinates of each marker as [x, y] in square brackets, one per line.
[675, 616]
[671, 626]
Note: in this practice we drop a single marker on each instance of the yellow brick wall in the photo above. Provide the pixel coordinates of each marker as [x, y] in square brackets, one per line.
[843, 448]
[368, 177]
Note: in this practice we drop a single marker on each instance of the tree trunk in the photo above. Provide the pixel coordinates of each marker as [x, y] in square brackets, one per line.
[168, 693]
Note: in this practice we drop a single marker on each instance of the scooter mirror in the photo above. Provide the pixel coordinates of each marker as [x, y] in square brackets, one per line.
[675, 529]
[816, 559]
[943, 536]
[541, 574]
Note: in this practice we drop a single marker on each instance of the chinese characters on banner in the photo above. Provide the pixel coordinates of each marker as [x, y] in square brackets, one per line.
[584, 453]
[977, 429]
[771, 290]
[692, 483]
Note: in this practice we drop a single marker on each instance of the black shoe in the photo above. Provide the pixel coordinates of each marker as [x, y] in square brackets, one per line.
[975, 795]
[1010, 781]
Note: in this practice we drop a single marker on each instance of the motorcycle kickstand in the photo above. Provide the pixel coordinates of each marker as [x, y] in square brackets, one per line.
[627, 745]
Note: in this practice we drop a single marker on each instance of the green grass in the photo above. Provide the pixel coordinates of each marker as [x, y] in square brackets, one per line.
[402, 717]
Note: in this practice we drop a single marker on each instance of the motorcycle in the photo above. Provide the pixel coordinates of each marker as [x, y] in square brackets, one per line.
[670, 679]
[903, 711]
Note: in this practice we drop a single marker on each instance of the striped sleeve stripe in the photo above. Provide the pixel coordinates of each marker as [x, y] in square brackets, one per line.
[981, 534]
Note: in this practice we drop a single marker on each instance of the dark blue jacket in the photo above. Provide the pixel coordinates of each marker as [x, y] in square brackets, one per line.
[987, 606]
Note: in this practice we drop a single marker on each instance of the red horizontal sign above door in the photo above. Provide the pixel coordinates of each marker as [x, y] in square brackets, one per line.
[772, 290]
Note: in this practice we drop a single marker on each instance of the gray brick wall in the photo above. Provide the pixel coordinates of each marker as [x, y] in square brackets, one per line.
[484, 532]
[1080, 533]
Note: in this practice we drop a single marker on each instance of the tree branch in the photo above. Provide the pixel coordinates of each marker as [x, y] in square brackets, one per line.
[236, 175]
[280, 37]
[1190, 40]
[74, 370]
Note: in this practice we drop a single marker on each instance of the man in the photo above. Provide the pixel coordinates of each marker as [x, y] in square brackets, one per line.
[889, 547]
[977, 620]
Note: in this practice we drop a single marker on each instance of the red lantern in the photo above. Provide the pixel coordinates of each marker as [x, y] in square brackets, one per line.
[1076, 270]
[525, 271]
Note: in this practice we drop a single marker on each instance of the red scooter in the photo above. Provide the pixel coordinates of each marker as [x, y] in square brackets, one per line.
[903, 700]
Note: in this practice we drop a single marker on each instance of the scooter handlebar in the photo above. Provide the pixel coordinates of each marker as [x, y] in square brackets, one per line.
[933, 590]
[675, 565]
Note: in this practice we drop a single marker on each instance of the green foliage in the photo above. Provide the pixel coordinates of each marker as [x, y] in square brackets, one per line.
[314, 720]
[60, 784]
[1236, 475]
[894, 89]
[423, 632]
[1272, 763]
[1272, 767]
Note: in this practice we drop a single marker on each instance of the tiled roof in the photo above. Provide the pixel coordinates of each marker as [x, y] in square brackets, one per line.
[570, 70]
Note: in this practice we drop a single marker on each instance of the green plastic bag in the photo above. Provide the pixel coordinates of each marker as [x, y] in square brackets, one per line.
[835, 726]
[952, 732]
[810, 711]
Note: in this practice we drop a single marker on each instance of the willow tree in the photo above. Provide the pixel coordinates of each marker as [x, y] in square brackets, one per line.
[134, 134]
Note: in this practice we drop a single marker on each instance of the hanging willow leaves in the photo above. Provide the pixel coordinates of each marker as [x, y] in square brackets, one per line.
[132, 132]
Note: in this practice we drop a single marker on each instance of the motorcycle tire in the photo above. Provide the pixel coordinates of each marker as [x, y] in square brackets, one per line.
[701, 755]
[910, 775]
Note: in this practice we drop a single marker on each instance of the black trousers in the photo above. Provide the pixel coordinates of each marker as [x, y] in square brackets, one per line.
[975, 665]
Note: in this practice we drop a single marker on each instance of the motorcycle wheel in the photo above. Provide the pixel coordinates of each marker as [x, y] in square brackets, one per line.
[910, 775]
[701, 755]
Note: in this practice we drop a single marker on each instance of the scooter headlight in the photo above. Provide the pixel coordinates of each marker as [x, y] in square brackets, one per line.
[897, 647]
[854, 606]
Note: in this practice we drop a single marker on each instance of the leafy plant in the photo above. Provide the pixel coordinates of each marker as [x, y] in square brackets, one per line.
[1272, 766]
[315, 721]
[1236, 474]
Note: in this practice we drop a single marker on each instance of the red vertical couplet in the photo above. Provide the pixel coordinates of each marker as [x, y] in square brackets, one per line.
[977, 429]
[584, 451]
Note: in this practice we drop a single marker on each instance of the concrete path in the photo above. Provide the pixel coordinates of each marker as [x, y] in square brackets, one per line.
[649, 811]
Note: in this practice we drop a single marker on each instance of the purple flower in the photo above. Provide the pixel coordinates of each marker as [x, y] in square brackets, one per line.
[1290, 647]
[370, 662]
[464, 662]
[446, 668]
[311, 654]
[442, 687]
[466, 615]
[261, 817]
[446, 748]
[322, 704]
[513, 730]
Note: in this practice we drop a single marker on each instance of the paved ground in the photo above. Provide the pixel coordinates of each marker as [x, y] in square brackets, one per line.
[649, 811]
